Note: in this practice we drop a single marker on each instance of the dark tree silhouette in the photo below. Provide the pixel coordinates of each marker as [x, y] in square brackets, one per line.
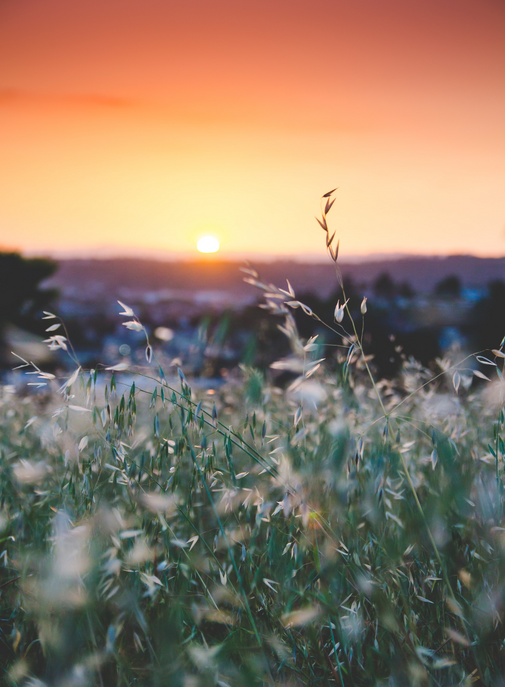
[405, 290]
[21, 298]
[486, 325]
[384, 286]
[450, 287]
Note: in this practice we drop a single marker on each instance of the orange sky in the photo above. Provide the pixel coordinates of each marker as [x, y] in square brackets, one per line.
[135, 126]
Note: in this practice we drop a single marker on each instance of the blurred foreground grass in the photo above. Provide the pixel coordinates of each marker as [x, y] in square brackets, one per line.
[155, 535]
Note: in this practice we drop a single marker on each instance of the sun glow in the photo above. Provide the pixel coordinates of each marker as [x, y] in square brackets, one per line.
[208, 244]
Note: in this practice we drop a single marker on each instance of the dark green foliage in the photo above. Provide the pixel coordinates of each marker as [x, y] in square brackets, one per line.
[450, 287]
[21, 298]
[486, 325]
[384, 286]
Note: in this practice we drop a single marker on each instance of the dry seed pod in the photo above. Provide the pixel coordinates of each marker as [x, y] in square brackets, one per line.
[339, 311]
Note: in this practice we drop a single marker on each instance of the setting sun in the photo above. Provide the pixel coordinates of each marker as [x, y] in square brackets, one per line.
[208, 244]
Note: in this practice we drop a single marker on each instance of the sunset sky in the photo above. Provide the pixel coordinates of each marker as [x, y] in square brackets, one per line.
[137, 126]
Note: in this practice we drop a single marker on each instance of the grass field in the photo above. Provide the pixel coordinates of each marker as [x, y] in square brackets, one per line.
[337, 531]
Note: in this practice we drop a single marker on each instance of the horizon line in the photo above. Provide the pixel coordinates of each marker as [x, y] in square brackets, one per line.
[113, 253]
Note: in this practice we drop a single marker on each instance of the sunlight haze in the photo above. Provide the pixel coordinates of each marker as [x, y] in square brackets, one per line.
[208, 244]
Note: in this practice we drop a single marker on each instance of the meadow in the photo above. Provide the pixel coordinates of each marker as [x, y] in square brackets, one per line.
[333, 530]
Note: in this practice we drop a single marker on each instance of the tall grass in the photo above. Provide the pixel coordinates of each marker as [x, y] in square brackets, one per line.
[342, 530]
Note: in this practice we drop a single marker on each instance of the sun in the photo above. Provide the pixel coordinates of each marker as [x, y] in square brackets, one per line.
[208, 244]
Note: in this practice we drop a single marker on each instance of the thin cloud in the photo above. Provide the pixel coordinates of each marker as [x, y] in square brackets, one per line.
[196, 113]
[10, 96]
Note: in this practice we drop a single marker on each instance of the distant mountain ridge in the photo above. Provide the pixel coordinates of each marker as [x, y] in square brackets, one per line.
[110, 276]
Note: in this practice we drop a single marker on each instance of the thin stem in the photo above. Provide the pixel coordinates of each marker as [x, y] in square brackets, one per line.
[223, 532]
[221, 428]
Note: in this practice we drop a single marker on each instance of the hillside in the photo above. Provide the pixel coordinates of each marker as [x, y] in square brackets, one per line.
[113, 276]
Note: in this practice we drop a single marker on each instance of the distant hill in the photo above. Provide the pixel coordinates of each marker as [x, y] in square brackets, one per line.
[90, 278]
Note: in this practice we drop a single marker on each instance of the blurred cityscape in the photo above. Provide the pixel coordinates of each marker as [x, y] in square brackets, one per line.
[204, 315]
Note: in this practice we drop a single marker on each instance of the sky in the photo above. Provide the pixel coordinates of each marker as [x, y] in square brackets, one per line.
[134, 127]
